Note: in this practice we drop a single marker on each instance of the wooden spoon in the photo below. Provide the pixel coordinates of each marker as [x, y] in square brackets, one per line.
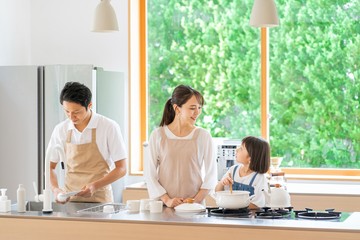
[230, 184]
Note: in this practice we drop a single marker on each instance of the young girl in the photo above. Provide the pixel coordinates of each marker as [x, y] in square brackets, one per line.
[253, 156]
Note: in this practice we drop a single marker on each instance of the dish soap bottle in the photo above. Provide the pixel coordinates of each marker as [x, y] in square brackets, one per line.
[5, 203]
[21, 199]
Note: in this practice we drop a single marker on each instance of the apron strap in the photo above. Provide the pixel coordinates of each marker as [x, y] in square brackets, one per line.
[252, 180]
[234, 172]
[93, 135]
[68, 136]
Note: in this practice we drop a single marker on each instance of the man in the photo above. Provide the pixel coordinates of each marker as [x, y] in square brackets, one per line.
[93, 147]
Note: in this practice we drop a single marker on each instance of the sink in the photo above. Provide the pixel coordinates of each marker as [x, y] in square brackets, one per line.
[75, 207]
[70, 207]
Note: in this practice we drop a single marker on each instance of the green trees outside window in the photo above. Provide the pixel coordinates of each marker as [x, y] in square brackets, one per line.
[314, 73]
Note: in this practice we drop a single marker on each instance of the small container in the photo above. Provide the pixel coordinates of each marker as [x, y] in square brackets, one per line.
[108, 209]
[133, 205]
[5, 203]
[21, 196]
[156, 206]
[145, 204]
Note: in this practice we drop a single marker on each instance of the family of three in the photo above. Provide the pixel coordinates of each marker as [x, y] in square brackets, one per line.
[181, 163]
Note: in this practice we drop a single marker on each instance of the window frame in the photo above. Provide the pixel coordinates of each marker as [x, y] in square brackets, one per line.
[138, 99]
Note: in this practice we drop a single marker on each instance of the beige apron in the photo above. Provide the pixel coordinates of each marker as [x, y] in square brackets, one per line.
[179, 168]
[85, 164]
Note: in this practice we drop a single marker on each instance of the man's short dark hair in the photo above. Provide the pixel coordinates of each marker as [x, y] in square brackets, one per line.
[77, 93]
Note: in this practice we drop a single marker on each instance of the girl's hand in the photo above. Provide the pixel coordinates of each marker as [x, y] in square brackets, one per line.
[226, 181]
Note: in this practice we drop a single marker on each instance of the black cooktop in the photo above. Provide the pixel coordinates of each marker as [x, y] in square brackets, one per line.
[280, 213]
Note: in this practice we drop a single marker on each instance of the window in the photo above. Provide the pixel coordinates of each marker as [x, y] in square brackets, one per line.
[314, 75]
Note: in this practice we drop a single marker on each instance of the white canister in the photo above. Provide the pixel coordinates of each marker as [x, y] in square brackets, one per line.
[108, 209]
[156, 207]
[145, 204]
[133, 205]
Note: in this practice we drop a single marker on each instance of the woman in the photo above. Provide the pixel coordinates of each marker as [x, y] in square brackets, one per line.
[182, 162]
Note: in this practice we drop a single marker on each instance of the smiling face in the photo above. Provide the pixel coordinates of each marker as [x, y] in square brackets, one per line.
[189, 111]
[79, 115]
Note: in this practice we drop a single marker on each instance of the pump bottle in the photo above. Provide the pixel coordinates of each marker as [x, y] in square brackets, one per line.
[5, 203]
[21, 195]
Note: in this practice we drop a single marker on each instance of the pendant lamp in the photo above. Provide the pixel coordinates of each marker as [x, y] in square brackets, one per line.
[264, 14]
[105, 18]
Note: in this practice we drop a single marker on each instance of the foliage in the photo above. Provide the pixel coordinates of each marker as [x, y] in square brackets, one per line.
[314, 87]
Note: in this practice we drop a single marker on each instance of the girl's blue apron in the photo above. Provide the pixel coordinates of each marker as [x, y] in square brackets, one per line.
[241, 186]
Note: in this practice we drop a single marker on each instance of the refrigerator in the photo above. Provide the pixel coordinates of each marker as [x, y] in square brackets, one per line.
[30, 109]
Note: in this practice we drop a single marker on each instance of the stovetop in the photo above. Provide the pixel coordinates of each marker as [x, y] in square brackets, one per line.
[281, 213]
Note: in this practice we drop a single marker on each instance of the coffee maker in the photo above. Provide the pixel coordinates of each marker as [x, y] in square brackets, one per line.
[276, 175]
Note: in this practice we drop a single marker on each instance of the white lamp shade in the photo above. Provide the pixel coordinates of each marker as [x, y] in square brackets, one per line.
[264, 14]
[105, 18]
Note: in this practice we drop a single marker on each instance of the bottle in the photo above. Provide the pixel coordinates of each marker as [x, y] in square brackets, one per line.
[21, 199]
[5, 203]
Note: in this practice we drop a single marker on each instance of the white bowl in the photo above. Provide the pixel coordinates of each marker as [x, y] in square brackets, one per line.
[234, 200]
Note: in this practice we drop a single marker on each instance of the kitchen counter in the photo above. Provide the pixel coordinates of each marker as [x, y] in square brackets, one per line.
[168, 225]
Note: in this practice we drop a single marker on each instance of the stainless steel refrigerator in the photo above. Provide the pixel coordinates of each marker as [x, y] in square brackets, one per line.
[30, 109]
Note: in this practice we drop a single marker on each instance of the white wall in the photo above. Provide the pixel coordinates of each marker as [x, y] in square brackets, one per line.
[14, 32]
[61, 33]
[37, 32]
[42, 32]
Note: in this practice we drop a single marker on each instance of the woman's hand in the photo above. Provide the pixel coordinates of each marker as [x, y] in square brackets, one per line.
[173, 202]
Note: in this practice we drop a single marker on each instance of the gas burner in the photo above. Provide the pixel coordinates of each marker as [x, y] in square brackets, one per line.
[269, 213]
[309, 213]
[224, 212]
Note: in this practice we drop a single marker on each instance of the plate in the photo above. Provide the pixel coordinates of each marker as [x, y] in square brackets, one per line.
[68, 194]
[190, 208]
[190, 211]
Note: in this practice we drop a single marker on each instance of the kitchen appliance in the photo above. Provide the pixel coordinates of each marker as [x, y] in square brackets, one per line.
[29, 101]
[226, 156]
[224, 212]
[327, 214]
[279, 213]
[273, 213]
[276, 176]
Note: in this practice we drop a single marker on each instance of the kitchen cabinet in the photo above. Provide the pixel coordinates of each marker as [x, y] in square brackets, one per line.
[167, 225]
[90, 230]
